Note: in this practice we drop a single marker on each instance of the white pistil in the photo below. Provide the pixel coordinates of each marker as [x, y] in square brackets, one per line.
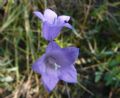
[56, 66]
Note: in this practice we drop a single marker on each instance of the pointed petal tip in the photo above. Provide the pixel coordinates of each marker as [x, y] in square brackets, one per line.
[71, 53]
[34, 67]
[39, 15]
[70, 74]
[38, 66]
[68, 26]
[36, 12]
[49, 82]
[77, 50]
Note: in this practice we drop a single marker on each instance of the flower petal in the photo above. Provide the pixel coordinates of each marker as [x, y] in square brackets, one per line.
[52, 46]
[68, 74]
[57, 52]
[49, 80]
[71, 53]
[63, 21]
[68, 25]
[50, 32]
[39, 15]
[60, 57]
[64, 18]
[64, 56]
[50, 16]
[39, 66]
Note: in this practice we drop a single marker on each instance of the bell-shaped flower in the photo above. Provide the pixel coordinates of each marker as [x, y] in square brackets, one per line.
[52, 24]
[57, 64]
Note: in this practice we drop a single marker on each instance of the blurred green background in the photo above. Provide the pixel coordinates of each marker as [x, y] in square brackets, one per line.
[97, 34]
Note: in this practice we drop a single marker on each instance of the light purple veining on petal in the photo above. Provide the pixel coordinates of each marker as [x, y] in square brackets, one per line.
[50, 16]
[68, 74]
[49, 31]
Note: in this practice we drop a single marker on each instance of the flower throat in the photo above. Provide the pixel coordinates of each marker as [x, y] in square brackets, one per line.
[51, 62]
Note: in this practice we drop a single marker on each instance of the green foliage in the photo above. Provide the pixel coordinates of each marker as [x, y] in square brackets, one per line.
[96, 32]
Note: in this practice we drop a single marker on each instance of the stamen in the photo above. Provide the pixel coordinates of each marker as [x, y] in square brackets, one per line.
[57, 66]
[51, 62]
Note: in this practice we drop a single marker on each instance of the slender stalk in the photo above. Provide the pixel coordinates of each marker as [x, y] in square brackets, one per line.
[27, 29]
[16, 59]
[45, 4]
[68, 92]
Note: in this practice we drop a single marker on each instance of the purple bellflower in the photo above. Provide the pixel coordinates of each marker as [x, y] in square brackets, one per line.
[57, 64]
[52, 24]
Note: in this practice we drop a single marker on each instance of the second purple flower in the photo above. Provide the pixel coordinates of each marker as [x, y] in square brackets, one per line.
[52, 24]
